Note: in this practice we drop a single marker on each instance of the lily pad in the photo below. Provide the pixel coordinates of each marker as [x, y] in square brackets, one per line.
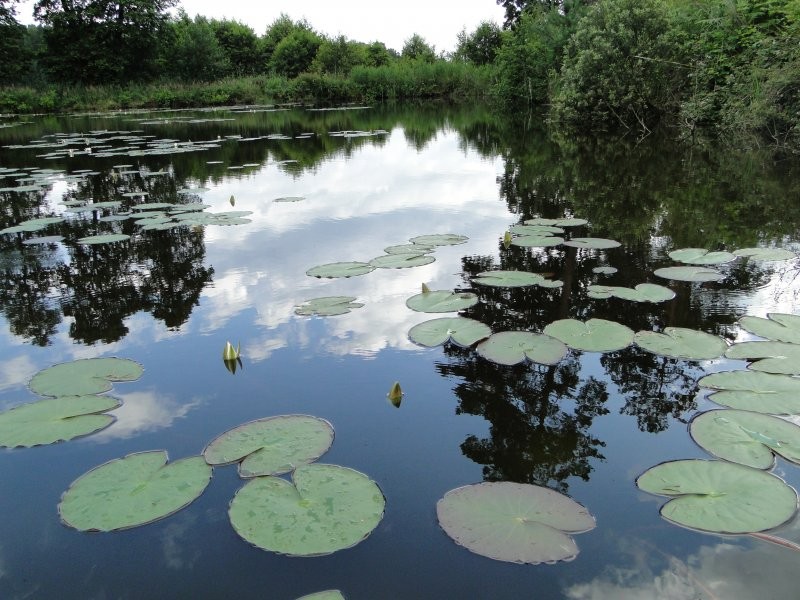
[324, 595]
[644, 292]
[694, 274]
[327, 306]
[408, 249]
[324, 509]
[401, 261]
[84, 376]
[752, 390]
[513, 522]
[271, 446]
[510, 279]
[32, 225]
[770, 357]
[45, 239]
[513, 347]
[439, 239]
[778, 327]
[436, 301]
[678, 342]
[289, 199]
[592, 243]
[459, 330]
[564, 222]
[701, 256]
[765, 254]
[340, 269]
[545, 230]
[747, 438]
[594, 335]
[131, 491]
[55, 420]
[536, 241]
[719, 496]
[108, 238]
[604, 270]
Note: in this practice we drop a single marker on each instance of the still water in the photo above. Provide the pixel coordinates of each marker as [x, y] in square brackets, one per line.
[363, 179]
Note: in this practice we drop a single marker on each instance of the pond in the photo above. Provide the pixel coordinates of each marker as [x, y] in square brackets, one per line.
[243, 202]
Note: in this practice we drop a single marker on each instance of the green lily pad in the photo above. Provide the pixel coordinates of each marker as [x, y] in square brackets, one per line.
[765, 254]
[459, 330]
[324, 595]
[108, 238]
[154, 206]
[644, 292]
[327, 306]
[513, 522]
[770, 357]
[719, 496]
[513, 347]
[436, 301]
[271, 446]
[701, 256]
[408, 249]
[340, 269]
[55, 420]
[752, 390]
[594, 335]
[747, 438]
[32, 225]
[84, 376]
[324, 509]
[565, 222]
[536, 241]
[538, 230]
[134, 490]
[289, 199]
[509, 278]
[401, 261]
[778, 327]
[45, 239]
[678, 342]
[439, 239]
[604, 270]
[592, 243]
[694, 274]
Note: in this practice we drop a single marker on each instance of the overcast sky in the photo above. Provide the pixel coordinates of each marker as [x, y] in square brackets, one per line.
[438, 21]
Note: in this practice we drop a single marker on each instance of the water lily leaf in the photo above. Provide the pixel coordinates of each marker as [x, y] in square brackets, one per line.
[324, 595]
[513, 522]
[778, 327]
[436, 301]
[108, 238]
[696, 274]
[594, 335]
[678, 342]
[271, 446]
[154, 206]
[327, 306]
[439, 239]
[513, 347]
[752, 390]
[537, 230]
[459, 330]
[55, 420]
[701, 256]
[508, 278]
[44, 239]
[340, 269]
[84, 376]
[32, 225]
[604, 270]
[765, 254]
[644, 292]
[565, 222]
[401, 261]
[748, 438]
[408, 249]
[770, 357]
[593, 243]
[536, 241]
[326, 508]
[134, 490]
[289, 199]
[719, 496]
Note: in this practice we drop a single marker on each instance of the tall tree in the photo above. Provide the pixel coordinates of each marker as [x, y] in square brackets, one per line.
[13, 54]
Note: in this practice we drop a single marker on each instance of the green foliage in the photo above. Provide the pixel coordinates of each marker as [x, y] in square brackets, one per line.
[416, 48]
[241, 47]
[338, 56]
[194, 52]
[481, 46]
[294, 53]
[276, 32]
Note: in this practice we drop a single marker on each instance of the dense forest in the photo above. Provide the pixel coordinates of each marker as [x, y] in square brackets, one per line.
[729, 66]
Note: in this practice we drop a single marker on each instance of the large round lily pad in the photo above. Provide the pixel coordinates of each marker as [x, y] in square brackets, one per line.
[513, 522]
[679, 342]
[439, 239]
[644, 292]
[701, 256]
[537, 230]
[594, 335]
[401, 261]
[694, 274]
[592, 243]
[513, 347]
[324, 509]
[748, 438]
[327, 306]
[272, 445]
[536, 241]
[134, 490]
[752, 390]
[721, 497]
[108, 238]
[459, 330]
[84, 376]
[778, 327]
[436, 301]
[55, 420]
[511, 279]
[340, 269]
[765, 254]
[562, 222]
[324, 595]
[770, 357]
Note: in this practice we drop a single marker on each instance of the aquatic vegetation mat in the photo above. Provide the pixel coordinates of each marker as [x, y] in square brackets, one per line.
[513, 347]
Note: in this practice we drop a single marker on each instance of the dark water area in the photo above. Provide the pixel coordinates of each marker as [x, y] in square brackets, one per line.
[369, 178]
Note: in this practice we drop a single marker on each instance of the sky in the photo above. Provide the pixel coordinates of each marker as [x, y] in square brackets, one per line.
[438, 21]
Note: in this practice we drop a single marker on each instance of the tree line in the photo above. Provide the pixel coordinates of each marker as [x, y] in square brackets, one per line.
[729, 64]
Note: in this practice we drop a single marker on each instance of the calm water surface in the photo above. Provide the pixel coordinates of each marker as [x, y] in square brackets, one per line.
[586, 427]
